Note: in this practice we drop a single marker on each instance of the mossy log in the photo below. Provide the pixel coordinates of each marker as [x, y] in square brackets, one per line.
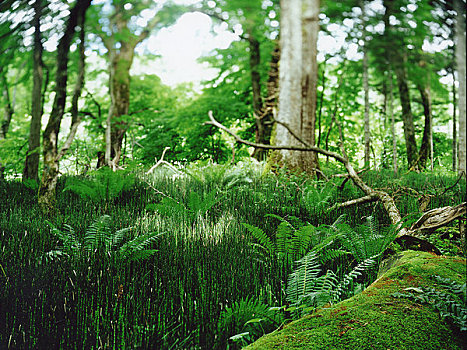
[374, 319]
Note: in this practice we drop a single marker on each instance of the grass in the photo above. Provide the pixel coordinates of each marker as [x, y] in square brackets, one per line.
[204, 263]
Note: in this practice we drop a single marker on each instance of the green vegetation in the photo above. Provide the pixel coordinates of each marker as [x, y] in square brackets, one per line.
[375, 318]
[180, 262]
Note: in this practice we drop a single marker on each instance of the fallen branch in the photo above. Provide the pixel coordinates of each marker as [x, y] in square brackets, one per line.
[404, 234]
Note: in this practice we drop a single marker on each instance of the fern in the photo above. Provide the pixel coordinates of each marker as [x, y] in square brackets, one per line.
[259, 235]
[451, 305]
[99, 239]
[303, 280]
[248, 318]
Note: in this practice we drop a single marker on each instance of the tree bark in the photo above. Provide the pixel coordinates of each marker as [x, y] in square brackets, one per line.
[454, 125]
[255, 60]
[31, 166]
[290, 81]
[393, 122]
[398, 56]
[50, 137]
[310, 24]
[365, 91]
[7, 115]
[460, 63]
[426, 146]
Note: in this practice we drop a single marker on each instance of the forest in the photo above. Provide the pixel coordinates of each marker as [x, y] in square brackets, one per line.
[292, 177]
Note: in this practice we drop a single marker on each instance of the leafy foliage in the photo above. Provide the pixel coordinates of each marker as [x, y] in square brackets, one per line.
[101, 241]
[248, 319]
[102, 186]
[451, 304]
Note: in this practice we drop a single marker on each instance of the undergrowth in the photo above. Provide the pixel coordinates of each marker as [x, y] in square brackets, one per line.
[209, 262]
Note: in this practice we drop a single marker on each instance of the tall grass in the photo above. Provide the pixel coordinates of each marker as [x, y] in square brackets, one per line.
[173, 300]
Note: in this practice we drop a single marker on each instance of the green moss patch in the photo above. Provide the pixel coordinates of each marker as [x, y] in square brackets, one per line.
[374, 319]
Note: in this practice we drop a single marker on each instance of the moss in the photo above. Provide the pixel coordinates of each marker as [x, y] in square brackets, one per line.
[374, 319]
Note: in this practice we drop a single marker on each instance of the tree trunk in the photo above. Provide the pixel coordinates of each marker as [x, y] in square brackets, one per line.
[290, 82]
[255, 60]
[454, 125]
[407, 117]
[460, 63]
[119, 74]
[393, 122]
[31, 166]
[50, 137]
[426, 146]
[7, 115]
[310, 24]
[398, 57]
[365, 91]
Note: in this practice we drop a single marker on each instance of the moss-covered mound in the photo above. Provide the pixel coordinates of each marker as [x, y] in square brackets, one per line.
[374, 319]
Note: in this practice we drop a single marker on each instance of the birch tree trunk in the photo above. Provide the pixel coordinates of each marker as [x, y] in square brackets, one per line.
[310, 24]
[290, 81]
[31, 166]
[460, 63]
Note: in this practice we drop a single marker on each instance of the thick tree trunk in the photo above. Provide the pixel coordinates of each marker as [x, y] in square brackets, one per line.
[50, 137]
[460, 63]
[310, 24]
[426, 146]
[290, 82]
[31, 166]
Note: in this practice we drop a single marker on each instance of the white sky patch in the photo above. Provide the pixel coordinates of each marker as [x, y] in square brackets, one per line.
[180, 46]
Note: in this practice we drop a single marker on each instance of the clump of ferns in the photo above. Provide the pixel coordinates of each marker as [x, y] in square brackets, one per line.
[309, 286]
[100, 242]
[245, 321]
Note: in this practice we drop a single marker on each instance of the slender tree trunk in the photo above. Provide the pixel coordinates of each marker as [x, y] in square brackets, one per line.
[7, 115]
[51, 153]
[398, 56]
[290, 81]
[460, 63]
[365, 91]
[255, 60]
[31, 167]
[310, 24]
[454, 124]
[407, 117]
[119, 74]
[425, 148]
[393, 122]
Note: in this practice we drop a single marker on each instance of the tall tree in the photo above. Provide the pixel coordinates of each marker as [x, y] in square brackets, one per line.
[120, 38]
[398, 55]
[51, 153]
[310, 30]
[365, 89]
[460, 63]
[298, 76]
[31, 166]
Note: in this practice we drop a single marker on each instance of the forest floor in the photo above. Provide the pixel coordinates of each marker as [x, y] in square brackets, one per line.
[375, 318]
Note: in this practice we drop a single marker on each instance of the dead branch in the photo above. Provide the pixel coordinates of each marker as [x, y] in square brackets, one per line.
[361, 200]
[404, 234]
[162, 161]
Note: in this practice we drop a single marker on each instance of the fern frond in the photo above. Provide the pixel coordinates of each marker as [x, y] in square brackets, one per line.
[303, 280]
[261, 237]
[138, 244]
[351, 276]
